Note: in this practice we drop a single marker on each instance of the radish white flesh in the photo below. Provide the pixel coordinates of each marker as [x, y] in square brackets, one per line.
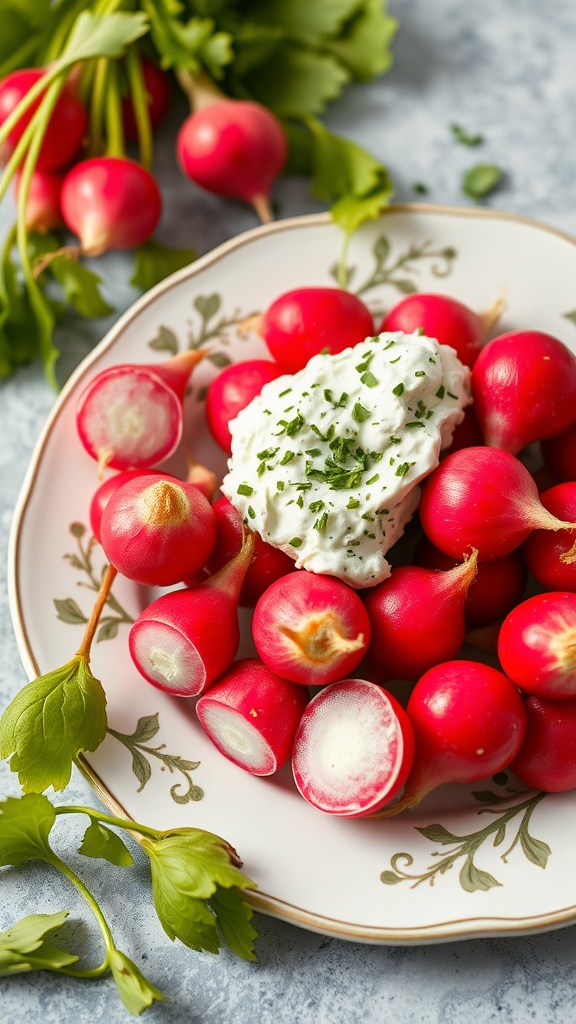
[353, 749]
[168, 659]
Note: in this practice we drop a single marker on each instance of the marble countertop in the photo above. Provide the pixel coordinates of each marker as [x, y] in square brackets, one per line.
[504, 70]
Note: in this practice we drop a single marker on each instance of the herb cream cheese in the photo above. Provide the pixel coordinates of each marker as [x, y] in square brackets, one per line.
[326, 462]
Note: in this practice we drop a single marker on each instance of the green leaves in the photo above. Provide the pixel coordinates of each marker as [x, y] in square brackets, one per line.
[22, 947]
[135, 991]
[155, 261]
[192, 872]
[480, 180]
[465, 138]
[100, 841]
[50, 721]
[106, 35]
[193, 45]
[25, 826]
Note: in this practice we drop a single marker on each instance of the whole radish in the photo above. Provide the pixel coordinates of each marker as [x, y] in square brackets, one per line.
[482, 498]
[524, 388]
[442, 317]
[110, 202]
[231, 391]
[66, 128]
[268, 564]
[43, 212]
[235, 148]
[550, 556]
[130, 416]
[537, 645]
[156, 530]
[497, 587]
[417, 618]
[305, 321]
[158, 97]
[353, 749]
[467, 433]
[186, 639]
[251, 715]
[310, 629]
[547, 758]
[469, 723]
[559, 454]
[106, 489]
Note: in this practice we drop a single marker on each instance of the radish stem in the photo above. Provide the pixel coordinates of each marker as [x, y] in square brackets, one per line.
[140, 104]
[92, 625]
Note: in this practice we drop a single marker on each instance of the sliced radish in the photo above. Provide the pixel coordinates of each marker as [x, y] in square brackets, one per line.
[353, 749]
[251, 716]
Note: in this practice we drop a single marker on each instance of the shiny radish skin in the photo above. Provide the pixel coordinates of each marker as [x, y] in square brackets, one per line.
[559, 454]
[157, 531]
[441, 317]
[106, 489]
[417, 618]
[185, 640]
[67, 127]
[235, 148]
[353, 749]
[469, 723]
[251, 716]
[497, 587]
[524, 389]
[130, 416]
[548, 555]
[537, 645]
[306, 321]
[547, 758]
[159, 97]
[231, 391]
[482, 498]
[268, 564]
[43, 210]
[110, 202]
[310, 629]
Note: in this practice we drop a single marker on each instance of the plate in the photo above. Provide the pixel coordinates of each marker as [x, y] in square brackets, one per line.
[485, 860]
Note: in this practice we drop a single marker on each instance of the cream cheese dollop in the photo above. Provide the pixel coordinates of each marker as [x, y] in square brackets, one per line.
[326, 462]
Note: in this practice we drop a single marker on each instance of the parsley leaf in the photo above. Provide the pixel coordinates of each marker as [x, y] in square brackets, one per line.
[480, 180]
[25, 825]
[364, 44]
[464, 138]
[155, 261]
[100, 841]
[135, 991]
[192, 44]
[297, 82]
[22, 947]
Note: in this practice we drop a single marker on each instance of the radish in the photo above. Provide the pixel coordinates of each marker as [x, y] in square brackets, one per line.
[537, 645]
[482, 498]
[158, 94]
[110, 202]
[524, 388]
[353, 749]
[231, 391]
[497, 587]
[184, 640]
[446, 319]
[130, 415]
[550, 557]
[547, 758]
[235, 148]
[303, 322]
[157, 530]
[467, 433]
[66, 128]
[43, 211]
[417, 618]
[267, 566]
[251, 715]
[104, 492]
[469, 723]
[310, 629]
[559, 454]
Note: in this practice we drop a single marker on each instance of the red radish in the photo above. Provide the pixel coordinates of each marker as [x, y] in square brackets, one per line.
[104, 492]
[550, 556]
[157, 530]
[353, 749]
[524, 388]
[417, 618]
[110, 202]
[482, 498]
[537, 645]
[130, 415]
[184, 640]
[203, 478]
[303, 322]
[310, 629]
[251, 715]
[268, 564]
[43, 211]
[159, 95]
[66, 128]
[446, 319]
[467, 433]
[547, 758]
[231, 391]
[559, 454]
[235, 148]
[496, 588]
[469, 723]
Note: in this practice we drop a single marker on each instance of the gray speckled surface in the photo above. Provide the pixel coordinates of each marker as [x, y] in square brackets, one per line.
[503, 69]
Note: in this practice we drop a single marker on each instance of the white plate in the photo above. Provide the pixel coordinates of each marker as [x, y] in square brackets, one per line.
[457, 866]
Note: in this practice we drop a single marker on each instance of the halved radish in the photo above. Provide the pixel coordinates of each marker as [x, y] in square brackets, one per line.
[251, 716]
[353, 749]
